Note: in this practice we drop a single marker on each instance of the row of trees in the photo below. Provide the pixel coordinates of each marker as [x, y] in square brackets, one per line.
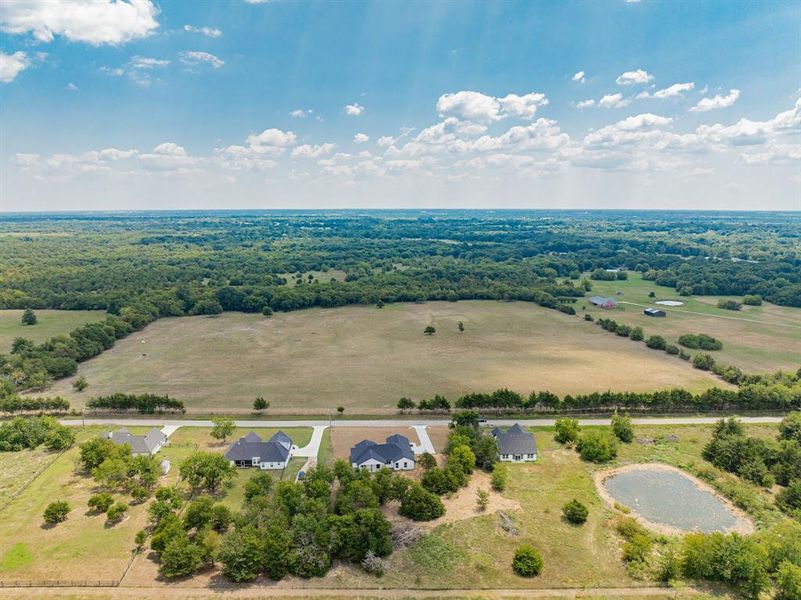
[23, 433]
[142, 403]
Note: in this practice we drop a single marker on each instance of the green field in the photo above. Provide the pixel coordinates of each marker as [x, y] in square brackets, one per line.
[757, 339]
[49, 323]
[366, 358]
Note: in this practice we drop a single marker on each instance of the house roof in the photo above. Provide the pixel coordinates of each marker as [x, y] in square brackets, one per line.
[393, 449]
[246, 448]
[602, 300]
[140, 444]
[515, 441]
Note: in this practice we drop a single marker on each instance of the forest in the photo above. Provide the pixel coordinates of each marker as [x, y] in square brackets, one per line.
[140, 267]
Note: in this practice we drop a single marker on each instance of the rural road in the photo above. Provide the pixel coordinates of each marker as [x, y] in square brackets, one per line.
[322, 423]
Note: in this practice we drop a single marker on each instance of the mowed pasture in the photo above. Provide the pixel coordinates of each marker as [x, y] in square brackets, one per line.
[365, 358]
[49, 323]
[757, 339]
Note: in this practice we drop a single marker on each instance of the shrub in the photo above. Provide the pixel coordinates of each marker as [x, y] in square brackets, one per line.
[419, 504]
[567, 430]
[116, 513]
[596, 446]
[672, 350]
[588, 317]
[100, 503]
[637, 548]
[700, 341]
[637, 334]
[789, 499]
[56, 512]
[527, 562]
[752, 300]
[657, 342]
[180, 558]
[575, 512]
[621, 427]
[729, 304]
[427, 461]
[788, 582]
[499, 478]
[703, 361]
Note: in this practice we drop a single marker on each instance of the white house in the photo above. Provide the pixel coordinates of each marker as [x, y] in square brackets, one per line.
[515, 445]
[396, 453]
[251, 451]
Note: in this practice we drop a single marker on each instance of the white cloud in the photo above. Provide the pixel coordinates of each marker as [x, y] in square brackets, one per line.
[71, 87]
[718, 101]
[271, 138]
[637, 77]
[12, 65]
[168, 156]
[578, 77]
[354, 110]
[144, 62]
[748, 133]
[313, 151]
[139, 69]
[211, 32]
[676, 90]
[585, 103]
[475, 106]
[613, 101]
[361, 138]
[196, 57]
[94, 22]
[299, 113]
[386, 140]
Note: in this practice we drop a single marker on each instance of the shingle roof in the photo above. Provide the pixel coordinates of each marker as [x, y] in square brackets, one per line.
[140, 444]
[396, 447]
[249, 447]
[516, 441]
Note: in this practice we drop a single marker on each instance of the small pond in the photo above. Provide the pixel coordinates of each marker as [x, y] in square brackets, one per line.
[669, 497]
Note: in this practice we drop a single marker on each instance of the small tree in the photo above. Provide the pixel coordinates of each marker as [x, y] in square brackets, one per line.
[499, 478]
[56, 512]
[575, 512]
[340, 409]
[419, 504]
[705, 362]
[260, 403]
[267, 311]
[482, 499]
[207, 471]
[180, 558]
[80, 384]
[621, 427]
[596, 446]
[140, 539]
[222, 428]
[406, 404]
[100, 503]
[116, 513]
[567, 430]
[29, 317]
[430, 330]
[427, 461]
[527, 562]
[460, 325]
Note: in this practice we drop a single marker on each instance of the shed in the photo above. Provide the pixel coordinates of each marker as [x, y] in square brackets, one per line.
[165, 466]
[654, 312]
[603, 302]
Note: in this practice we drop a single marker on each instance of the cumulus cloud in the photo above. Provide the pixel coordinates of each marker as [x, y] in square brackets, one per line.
[475, 106]
[361, 138]
[676, 90]
[718, 101]
[196, 57]
[354, 110]
[271, 138]
[613, 101]
[94, 22]
[585, 103]
[211, 32]
[12, 65]
[140, 69]
[312, 150]
[637, 77]
[386, 140]
[578, 77]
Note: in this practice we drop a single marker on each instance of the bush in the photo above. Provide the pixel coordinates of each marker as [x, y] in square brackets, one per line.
[419, 504]
[567, 430]
[527, 562]
[100, 503]
[56, 512]
[729, 304]
[788, 582]
[752, 300]
[588, 317]
[621, 427]
[596, 446]
[700, 341]
[116, 513]
[575, 512]
[427, 461]
[789, 499]
[180, 558]
[672, 350]
[657, 342]
[499, 478]
[637, 548]
[59, 438]
[703, 361]
[637, 334]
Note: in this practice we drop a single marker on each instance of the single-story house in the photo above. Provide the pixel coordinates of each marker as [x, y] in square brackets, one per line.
[603, 302]
[515, 444]
[654, 312]
[395, 453]
[141, 445]
[251, 451]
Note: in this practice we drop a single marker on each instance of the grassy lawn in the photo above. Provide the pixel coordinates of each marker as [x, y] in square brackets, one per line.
[314, 360]
[18, 468]
[49, 323]
[769, 345]
[321, 276]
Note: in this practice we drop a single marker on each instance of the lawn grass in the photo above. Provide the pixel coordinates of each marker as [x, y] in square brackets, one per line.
[18, 468]
[771, 344]
[50, 323]
[365, 359]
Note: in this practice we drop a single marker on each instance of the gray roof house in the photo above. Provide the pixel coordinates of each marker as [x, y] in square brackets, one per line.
[603, 302]
[141, 445]
[515, 444]
[251, 451]
[395, 453]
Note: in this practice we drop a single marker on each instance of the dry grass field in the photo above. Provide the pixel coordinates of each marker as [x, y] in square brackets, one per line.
[365, 358]
[757, 339]
[49, 323]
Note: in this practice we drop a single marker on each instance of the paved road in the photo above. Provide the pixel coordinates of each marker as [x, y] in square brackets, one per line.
[134, 422]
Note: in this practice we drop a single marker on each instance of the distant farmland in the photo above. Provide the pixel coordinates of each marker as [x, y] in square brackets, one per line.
[49, 323]
[365, 358]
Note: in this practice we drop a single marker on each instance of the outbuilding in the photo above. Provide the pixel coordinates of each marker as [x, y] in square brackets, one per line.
[654, 312]
[603, 302]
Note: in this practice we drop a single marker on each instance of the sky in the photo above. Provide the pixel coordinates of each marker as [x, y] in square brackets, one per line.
[649, 104]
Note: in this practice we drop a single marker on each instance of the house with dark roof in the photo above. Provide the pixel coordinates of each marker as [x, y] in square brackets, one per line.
[603, 302]
[141, 445]
[395, 453]
[515, 444]
[251, 451]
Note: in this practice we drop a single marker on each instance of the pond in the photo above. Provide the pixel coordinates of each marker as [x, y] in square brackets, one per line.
[671, 500]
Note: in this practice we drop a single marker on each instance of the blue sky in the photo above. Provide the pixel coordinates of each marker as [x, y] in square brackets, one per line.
[238, 104]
